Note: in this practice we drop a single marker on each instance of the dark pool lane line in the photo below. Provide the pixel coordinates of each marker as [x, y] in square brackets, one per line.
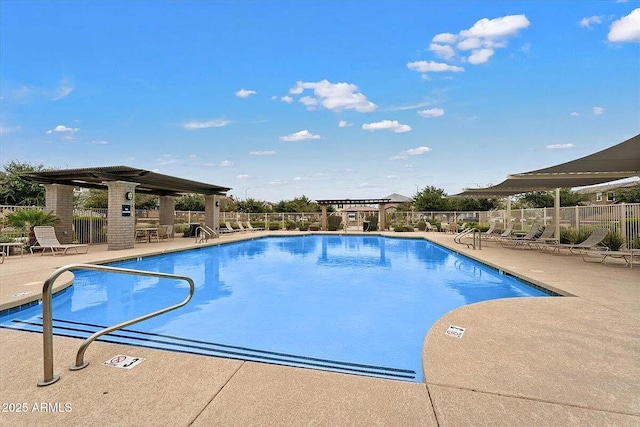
[222, 350]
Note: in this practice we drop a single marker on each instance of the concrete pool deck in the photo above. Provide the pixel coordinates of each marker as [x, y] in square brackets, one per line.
[527, 361]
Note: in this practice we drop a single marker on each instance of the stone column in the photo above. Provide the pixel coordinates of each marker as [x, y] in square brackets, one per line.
[382, 216]
[121, 227]
[59, 200]
[167, 210]
[323, 223]
[212, 212]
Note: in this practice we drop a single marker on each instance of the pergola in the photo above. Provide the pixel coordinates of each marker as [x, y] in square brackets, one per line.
[617, 162]
[122, 182]
[350, 202]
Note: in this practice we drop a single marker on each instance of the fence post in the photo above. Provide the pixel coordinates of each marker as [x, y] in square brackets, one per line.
[577, 218]
[622, 217]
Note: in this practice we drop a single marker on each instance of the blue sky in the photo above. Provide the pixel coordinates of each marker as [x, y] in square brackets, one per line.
[326, 99]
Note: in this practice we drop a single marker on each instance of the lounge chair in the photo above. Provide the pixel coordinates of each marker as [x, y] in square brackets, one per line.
[512, 240]
[430, 227]
[46, 237]
[595, 238]
[489, 232]
[493, 236]
[230, 229]
[252, 228]
[545, 238]
[629, 257]
[240, 226]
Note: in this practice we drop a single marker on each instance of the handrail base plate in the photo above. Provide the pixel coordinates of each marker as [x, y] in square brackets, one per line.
[75, 367]
[43, 383]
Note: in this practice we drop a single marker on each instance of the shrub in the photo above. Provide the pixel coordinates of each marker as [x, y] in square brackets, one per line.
[258, 224]
[408, 228]
[422, 226]
[613, 241]
[180, 228]
[568, 235]
[304, 226]
[398, 229]
[314, 227]
[290, 225]
[334, 223]
[275, 226]
[6, 239]
[373, 222]
[635, 243]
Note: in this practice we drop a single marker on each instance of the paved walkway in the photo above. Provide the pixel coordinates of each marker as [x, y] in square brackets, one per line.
[539, 361]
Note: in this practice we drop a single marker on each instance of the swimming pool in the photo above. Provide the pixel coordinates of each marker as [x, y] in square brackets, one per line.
[351, 304]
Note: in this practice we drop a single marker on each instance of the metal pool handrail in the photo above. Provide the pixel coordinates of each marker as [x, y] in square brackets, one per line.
[47, 322]
[475, 234]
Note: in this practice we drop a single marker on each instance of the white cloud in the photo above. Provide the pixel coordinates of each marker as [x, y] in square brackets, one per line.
[274, 98]
[586, 22]
[63, 90]
[302, 135]
[277, 182]
[480, 56]
[344, 124]
[217, 123]
[597, 110]
[559, 146]
[287, 99]
[262, 153]
[442, 50]
[444, 38]
[482, 39]
[392, 125]
[470, 43]
[100, 142]
[64, 129]
[433, 67]
[626, 29]
[245, 93]
[334, 96]
[497, 28]
[404, 155]
[226, 163]
[243, 176]
[309, 101]
[574, 114]
[432, 112]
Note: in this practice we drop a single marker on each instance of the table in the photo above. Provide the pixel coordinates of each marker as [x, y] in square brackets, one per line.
[148, 232]
[5, 249]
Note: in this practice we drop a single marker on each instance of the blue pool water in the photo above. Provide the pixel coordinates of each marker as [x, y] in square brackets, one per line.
[353, 304]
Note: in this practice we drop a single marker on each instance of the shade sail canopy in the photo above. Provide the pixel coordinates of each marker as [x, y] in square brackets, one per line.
[148, 182]
[617, 162]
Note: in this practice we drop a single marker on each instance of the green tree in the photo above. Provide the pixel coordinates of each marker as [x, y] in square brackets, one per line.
[15, 190]
[432, 199]
[545, 199]
[475, 204]
[29, 218]
[190, 202]
[96, 199]
[251, 206]
[299, 204]
[629, 195]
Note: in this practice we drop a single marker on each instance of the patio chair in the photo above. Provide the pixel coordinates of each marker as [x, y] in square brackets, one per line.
[252, 228]
[512, 240]
[595, 238]
[240, 226]
[629, 257]
[430, 227]
[46, 237]
[165, 232]
[230, 229]
[535, 242]
[493, 236]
